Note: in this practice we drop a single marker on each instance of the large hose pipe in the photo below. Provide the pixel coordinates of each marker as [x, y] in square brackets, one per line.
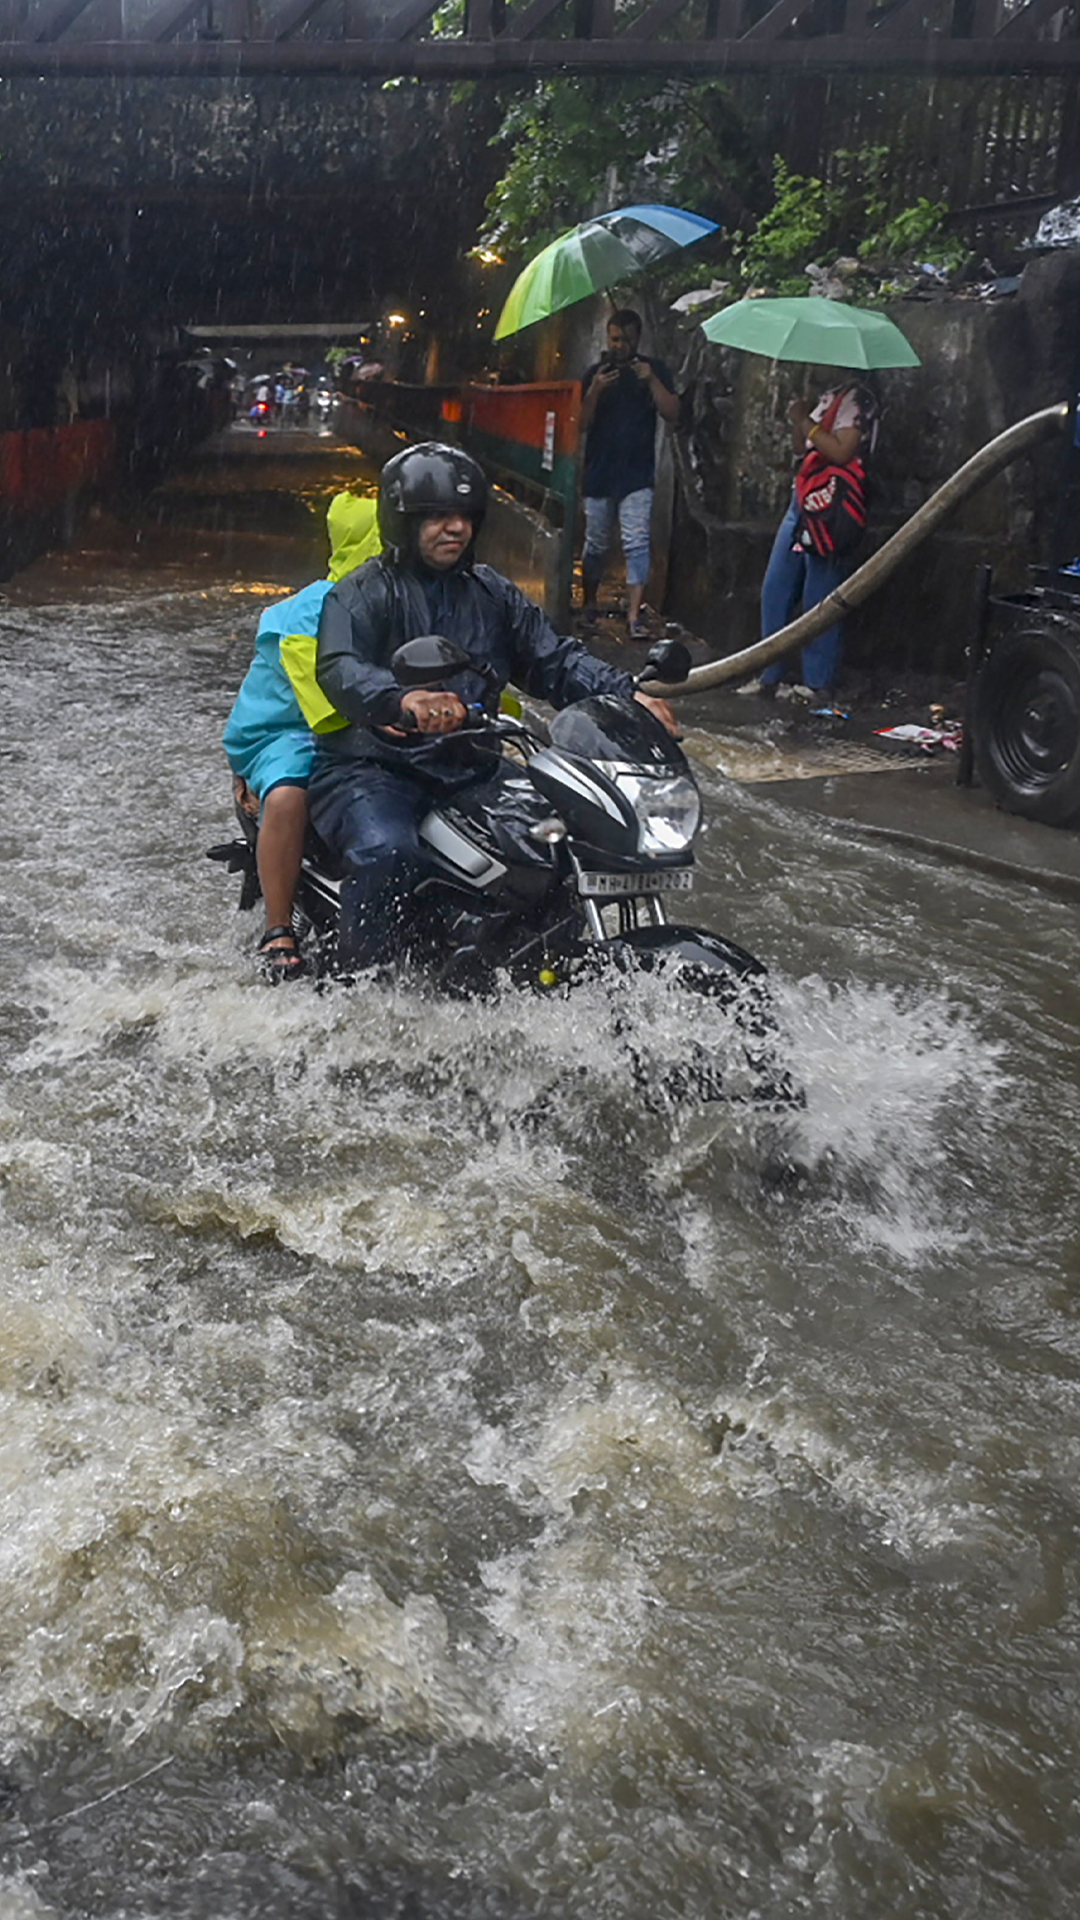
[843, 599]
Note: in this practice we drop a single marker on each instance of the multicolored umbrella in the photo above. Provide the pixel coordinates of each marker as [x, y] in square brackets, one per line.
[599, 253]
[823, 333]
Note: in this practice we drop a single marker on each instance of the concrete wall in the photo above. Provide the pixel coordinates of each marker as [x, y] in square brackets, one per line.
[520, 543]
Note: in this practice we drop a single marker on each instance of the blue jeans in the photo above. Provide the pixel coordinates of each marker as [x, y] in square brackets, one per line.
[634, 514]
[368, 816]
[791, 577]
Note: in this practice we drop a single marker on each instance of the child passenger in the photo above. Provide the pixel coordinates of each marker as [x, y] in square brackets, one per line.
[268, 736]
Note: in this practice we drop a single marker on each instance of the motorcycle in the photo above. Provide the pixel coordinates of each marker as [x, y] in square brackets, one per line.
[557, 863]
[322, 401]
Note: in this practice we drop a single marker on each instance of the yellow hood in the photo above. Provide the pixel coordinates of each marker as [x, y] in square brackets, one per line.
[354, 538]
[351, 522]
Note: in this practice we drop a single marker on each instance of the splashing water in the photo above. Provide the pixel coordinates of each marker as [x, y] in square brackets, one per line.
[440, 1467]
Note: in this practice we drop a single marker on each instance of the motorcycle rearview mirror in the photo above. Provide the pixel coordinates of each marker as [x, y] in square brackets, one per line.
[668, 660]
[427, 660]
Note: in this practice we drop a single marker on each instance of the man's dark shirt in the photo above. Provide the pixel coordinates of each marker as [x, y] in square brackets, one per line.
[620, 444]
[370, 612]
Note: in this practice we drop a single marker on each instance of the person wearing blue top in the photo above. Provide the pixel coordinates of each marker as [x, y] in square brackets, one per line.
[269, 738]
[622, 395]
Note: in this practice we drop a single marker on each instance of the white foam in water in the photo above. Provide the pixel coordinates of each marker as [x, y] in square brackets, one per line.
[20, 1900]
[415, 1382]
[125, 1492]
[882, 1077]
[574, 1609]
[913, 1512]
[620, 1037]
[589, 1437]
[887, 1078]
[571, 1613]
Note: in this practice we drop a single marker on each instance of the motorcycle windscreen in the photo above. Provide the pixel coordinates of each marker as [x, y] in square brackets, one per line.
[609, 729]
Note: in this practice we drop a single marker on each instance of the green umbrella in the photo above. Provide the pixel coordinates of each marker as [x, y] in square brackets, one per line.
[599, 253]
[824, 333]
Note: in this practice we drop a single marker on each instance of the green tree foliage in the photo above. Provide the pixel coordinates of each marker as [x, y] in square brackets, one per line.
[797, 228]
[852, 216]
[579, 144]
[916, 230]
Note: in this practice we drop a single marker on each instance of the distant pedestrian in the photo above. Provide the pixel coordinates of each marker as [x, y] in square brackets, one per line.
[67, 395]
[623, 393]
[841, 429]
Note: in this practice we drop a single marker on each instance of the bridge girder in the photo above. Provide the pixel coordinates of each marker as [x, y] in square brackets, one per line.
[381, 39]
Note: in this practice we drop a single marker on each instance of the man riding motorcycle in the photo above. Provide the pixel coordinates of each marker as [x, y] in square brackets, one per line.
[375, 778]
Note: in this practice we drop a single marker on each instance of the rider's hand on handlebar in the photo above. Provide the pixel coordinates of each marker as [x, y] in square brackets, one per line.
[431, 713]
[663, 712]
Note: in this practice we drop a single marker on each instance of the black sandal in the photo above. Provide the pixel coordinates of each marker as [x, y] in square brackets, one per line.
[280, 963]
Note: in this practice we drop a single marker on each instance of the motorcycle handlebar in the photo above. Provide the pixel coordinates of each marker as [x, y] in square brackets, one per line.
[500, 726]
[478, 721]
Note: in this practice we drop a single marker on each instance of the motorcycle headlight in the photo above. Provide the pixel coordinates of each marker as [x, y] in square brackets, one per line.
[668, 811]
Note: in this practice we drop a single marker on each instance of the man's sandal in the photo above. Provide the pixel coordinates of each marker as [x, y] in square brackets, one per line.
[280, 963]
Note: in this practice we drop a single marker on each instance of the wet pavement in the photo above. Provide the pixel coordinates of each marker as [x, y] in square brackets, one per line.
[839, 766]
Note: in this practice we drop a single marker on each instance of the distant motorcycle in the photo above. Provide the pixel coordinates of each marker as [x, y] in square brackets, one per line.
[322, 402]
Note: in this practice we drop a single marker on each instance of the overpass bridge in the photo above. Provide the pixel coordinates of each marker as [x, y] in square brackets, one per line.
[476, 38]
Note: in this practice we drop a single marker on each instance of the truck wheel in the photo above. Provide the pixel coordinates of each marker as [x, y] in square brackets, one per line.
[1027, 724]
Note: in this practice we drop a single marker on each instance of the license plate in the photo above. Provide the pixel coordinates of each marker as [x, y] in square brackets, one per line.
[671, 880]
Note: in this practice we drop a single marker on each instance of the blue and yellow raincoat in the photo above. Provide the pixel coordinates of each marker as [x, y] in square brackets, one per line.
[268, 736]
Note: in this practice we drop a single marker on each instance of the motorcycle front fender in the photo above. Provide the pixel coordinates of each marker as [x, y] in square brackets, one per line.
[695, 947]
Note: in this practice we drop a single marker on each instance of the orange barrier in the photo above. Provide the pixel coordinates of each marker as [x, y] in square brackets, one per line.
[532, 433]
[42, 467]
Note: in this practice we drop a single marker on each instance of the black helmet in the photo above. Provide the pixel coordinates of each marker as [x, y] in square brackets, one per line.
[428, 479]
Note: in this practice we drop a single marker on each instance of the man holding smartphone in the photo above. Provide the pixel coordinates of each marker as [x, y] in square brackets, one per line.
[622, 395]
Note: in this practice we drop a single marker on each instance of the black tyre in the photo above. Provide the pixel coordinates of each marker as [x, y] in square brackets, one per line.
[1027, 722]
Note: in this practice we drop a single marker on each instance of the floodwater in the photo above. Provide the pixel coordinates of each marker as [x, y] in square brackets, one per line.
[440, 1480]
